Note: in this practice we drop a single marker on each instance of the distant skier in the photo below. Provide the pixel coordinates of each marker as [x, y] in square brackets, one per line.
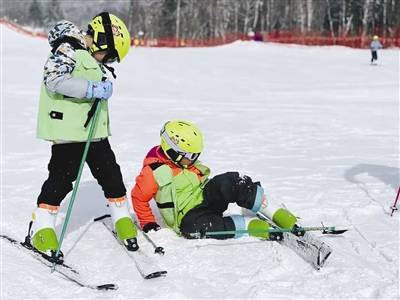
[375, 46]
[74, 77]
[189, 201]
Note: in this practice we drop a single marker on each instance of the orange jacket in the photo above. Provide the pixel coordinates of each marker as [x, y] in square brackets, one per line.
[146, 186]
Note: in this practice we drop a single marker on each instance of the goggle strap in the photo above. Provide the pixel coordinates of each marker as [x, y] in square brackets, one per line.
[175, 156]
[111, 51]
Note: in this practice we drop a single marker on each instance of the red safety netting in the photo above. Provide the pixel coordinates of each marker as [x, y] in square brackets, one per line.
[23, 30]
[286, 37]
[317, 40]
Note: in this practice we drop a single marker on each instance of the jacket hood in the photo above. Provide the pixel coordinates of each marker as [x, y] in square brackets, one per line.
[65, 28]
[156, 155]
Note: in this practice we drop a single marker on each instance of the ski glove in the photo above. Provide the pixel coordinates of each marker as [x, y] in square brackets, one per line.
[99, 89]
[151, 226]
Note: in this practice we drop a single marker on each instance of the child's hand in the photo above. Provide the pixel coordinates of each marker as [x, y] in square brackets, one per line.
[151, 226]
[101, 89]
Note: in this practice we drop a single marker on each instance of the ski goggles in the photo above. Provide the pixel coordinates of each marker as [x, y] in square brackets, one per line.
[175, 153]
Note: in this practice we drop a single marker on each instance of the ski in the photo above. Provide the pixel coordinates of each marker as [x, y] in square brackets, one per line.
[304, 244]
[146, 267]
[299, 239]
[314, 253]
[65, 271]
[275, 233]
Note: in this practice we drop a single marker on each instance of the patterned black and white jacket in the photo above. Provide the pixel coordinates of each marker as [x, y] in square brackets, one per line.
[59, 66]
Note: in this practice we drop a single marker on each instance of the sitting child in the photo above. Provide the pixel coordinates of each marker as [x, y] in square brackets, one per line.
[192, 203]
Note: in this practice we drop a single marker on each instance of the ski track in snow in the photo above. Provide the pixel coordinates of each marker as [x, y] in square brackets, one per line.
[318, 126]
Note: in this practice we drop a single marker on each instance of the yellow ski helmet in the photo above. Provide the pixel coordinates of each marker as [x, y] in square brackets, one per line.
[109, 34]
[181, 139]
[375, 37]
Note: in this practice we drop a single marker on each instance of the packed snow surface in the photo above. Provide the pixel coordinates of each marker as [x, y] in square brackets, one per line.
[317, 126]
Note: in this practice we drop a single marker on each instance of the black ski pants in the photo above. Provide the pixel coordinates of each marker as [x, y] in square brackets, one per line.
[217, 194]
[64, 165]
[374, 55]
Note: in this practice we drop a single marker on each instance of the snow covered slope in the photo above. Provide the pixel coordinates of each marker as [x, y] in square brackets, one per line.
[318, 126]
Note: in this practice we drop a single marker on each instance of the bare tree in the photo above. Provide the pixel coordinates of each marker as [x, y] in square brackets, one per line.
[366, 13]
[310, 12]
[178, 19]
[246, 17]
[256, 13]
[332, 32]
[268, 14]
[384, 17]
[302, 15]
[236, 16]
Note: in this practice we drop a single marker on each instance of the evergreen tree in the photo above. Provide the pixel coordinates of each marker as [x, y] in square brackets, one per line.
[36, 14]
[53, 13]
[168, 18]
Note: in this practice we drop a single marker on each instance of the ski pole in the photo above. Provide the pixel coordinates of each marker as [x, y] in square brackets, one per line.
[97, 106]
[394, 206]
[157, 249]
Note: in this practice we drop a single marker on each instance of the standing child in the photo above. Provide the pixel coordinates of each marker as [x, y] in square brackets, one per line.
[375, 46]
[74, 77]
[189, 201]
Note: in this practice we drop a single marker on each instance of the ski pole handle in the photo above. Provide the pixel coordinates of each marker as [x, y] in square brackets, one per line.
[157, 249]
[101, 218]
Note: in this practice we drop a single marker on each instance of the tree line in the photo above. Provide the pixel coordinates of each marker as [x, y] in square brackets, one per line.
[205, 19]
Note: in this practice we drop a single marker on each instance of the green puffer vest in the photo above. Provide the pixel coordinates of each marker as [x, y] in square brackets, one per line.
[178, 194]
[63, 118]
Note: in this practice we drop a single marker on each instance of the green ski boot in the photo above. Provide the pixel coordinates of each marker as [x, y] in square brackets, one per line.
[259, 228]
[42, 236]
[124, 227]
